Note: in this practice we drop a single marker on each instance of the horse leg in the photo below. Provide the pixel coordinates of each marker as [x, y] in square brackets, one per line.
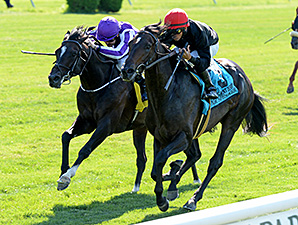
[78, 128]
[180, 143]
[139, 138]
[292, 78]
[193, 155]
[99, 135]
[215, 163]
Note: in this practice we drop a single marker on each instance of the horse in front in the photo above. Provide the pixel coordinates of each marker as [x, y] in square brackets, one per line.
[174, 114]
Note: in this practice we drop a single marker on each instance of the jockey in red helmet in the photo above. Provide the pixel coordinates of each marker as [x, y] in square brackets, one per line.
[202, 43]
[117, 35]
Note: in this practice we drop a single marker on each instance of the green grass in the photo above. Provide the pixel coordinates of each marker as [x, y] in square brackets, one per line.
[33, 116]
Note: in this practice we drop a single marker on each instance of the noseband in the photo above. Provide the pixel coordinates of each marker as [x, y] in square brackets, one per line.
[71, 73]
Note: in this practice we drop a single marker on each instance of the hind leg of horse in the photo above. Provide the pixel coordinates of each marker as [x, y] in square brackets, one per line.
[139, 138]
[193, 155]
[290, 88]
[78, 128]
[215, 163]
[179, 144]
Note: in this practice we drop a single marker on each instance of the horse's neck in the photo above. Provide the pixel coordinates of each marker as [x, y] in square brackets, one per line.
[97, 74]
[156, 80]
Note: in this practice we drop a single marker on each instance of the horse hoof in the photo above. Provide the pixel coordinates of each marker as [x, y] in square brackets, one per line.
[290, 89]
[172, 195]
[199, 182]
[165, 206]
[63, 183]
[190, 205]
[136, 188]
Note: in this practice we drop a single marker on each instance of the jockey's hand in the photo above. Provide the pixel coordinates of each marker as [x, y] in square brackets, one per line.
[186, 54]
[94, 46]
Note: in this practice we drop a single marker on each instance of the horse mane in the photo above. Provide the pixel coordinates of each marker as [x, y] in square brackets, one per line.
[155, 28]
[78, 33]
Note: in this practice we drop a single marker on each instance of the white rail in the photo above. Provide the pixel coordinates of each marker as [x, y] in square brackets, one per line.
[240, 211]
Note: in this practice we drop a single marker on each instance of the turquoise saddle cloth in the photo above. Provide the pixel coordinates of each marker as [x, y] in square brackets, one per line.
[223, 83]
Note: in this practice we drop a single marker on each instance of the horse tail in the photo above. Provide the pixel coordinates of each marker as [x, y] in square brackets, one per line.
[256, 119]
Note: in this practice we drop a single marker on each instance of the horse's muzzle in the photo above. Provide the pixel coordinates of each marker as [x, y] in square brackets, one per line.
[54, 81]
[128, 74]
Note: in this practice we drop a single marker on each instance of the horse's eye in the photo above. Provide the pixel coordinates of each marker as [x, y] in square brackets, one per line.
[147, 47]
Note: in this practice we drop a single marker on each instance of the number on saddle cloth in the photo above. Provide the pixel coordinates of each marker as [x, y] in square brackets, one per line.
[222, 81]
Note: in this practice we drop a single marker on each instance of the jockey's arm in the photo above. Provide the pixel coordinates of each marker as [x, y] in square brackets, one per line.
[120, 50]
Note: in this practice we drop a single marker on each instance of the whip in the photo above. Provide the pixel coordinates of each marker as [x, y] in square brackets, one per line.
[277, 35]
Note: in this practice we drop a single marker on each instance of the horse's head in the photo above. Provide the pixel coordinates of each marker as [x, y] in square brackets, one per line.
[294, 33]
[71, 57]
[142, 51]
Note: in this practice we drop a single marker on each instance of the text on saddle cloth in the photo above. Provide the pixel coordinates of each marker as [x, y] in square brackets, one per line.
[222, 81]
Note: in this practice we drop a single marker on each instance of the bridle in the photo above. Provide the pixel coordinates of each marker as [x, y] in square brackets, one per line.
[149, 63]
[70, 73]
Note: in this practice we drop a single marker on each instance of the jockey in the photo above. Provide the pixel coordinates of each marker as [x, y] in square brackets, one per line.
[117, 35]
[202, 43]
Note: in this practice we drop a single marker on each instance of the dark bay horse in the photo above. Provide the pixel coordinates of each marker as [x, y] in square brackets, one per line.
[106, 104]
[173, 114]
[294, 44]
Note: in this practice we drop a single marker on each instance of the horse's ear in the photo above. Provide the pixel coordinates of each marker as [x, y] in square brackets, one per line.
[66, 35]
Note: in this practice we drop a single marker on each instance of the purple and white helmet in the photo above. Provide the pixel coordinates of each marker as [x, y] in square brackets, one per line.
[107, 29]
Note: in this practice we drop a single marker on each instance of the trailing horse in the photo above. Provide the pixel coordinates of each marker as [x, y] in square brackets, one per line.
[173, 115]
[294, 44]
[106, 104]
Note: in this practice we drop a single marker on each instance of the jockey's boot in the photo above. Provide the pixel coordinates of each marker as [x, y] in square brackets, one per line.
[210, 89]
[8, 4]
[140, 80]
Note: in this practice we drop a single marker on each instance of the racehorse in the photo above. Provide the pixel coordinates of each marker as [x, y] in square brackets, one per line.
[294, 44]
[173, 114]
[106, 104]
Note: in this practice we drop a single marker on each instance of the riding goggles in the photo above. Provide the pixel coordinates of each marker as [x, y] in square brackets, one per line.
[176, 31]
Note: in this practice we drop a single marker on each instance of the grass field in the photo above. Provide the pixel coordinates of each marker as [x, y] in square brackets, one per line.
[33, 116]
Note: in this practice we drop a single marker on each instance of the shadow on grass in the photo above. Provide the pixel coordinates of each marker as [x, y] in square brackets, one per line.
[294, 112]
[98, 212]
[173, 210]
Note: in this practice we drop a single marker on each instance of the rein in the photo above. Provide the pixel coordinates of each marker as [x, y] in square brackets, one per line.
[103, 86]
[149, 64]
[70, 72]
[69, 75]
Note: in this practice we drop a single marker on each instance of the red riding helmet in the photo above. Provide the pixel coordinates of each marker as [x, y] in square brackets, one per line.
[176, 18]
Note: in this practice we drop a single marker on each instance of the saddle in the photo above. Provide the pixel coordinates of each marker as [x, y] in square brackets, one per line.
[225, 88]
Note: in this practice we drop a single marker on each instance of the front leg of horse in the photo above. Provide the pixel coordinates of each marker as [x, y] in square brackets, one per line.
[162, 202]
[290, 88]
[193, 155]
[65, 178]
[66, 138]
[64, 182]
[180, 143]
[79, 127]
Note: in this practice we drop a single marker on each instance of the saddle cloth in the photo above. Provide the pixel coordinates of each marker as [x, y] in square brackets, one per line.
[222, 81]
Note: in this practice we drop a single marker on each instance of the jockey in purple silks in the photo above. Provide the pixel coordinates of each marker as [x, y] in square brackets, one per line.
[117, 35]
